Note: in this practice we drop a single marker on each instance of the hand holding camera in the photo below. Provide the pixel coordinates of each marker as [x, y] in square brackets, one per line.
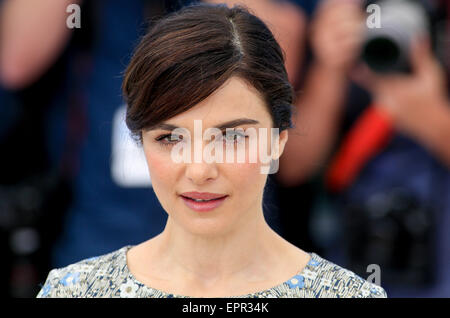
[337, 34]
[409, 99]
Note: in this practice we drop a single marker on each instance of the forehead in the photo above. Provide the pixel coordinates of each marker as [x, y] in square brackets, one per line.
[235, 99]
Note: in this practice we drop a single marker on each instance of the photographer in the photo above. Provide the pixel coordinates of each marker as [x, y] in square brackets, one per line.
[84, 131]
[383, 152]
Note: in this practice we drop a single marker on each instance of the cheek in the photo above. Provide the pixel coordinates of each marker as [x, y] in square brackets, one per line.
[247, 176]
[159, 168]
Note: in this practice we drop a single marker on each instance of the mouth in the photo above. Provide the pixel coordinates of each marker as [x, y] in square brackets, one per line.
[203, 205]
[203, 200]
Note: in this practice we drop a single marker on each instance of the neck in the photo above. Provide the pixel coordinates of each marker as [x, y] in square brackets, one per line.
[250, 251]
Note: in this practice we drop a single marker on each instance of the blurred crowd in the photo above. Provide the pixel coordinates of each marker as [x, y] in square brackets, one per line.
[364, 178]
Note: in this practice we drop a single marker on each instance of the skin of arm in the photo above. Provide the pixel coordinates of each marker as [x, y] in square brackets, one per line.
[336, 34]
[417, 103]
[315, 126]
[433, 132]
[32, 35]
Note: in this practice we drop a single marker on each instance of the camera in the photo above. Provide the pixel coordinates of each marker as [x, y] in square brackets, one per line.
[395, 230]
[387, 45]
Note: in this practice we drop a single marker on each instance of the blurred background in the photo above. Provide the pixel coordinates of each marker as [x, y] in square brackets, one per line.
[365, 177]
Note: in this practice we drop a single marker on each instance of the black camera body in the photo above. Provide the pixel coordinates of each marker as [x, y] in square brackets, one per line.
[396, 231]
[387, 42]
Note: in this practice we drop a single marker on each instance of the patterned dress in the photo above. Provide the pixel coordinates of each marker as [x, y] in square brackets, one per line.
[109, 276]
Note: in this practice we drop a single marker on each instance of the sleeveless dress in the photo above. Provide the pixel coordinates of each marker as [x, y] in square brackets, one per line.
[108, 276]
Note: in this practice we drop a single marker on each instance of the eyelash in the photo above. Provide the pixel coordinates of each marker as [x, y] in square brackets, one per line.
[160, 139]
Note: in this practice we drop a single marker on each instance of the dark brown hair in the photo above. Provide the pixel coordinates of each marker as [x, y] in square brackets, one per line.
[187, 55]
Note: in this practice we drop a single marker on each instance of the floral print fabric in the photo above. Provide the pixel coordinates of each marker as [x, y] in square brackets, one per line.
[109, 276]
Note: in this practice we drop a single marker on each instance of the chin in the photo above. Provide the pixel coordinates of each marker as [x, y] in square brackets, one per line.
[207, 228]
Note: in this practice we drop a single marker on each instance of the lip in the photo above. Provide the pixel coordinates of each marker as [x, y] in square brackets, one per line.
[202, 195]
[203, 206]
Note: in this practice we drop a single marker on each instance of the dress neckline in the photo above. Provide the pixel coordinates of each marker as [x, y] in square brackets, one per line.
[313, 258]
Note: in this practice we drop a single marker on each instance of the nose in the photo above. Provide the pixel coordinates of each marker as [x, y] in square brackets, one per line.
[201, 172]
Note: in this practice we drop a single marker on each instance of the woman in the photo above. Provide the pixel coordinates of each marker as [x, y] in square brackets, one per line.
[220, 67]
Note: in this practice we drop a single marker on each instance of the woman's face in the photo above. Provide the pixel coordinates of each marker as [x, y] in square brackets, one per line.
[242, 183]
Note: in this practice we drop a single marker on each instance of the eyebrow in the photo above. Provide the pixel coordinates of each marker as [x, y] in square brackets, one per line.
[229, 124]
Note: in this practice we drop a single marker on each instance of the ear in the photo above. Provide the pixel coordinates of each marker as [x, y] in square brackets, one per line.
[281, 141]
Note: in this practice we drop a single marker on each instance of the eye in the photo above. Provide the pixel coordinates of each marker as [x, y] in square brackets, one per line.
[234, 137]
[166, 140]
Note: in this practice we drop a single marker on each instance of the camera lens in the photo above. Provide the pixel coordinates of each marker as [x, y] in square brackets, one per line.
[381, 54]
[387, 45]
